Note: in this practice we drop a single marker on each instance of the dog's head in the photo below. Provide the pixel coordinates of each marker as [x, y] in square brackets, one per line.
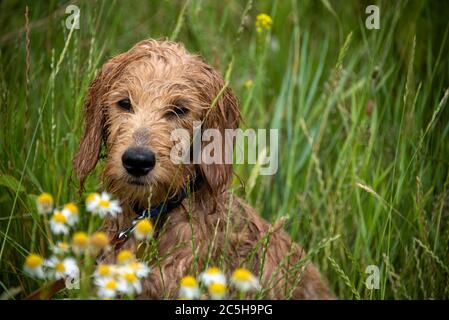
[136, 101]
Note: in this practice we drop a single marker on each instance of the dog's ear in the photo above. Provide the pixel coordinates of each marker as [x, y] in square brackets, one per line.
[94, 112]
[223, 115]
[90, 146]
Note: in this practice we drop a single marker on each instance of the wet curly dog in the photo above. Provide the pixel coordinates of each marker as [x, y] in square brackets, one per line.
[136, 100]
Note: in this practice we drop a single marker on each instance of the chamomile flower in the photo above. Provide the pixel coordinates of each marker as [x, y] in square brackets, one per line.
[71, 212]
[143, 230]
[44, 203]
[63, 268]
[244, 280]
[105, 271]
[108, 206]
[107, 287]
[98, 241]
[60, 247]
[212, 275]
[92, 201]
[34, 266]
[130, 283]
[140, 269]
[80, 241]
[124, 257]
[58, 223]
[263, 22]
[217, 291]
[189, 288]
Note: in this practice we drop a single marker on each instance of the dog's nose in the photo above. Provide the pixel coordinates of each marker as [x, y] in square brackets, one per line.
[138, 161]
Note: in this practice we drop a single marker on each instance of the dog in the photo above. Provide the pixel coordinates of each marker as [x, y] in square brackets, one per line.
[134, 103]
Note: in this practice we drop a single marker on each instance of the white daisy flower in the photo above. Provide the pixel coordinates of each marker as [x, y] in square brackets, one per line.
[143, 229]
[98, 241]
[34, 266]
[130, 283]
[140, 269]
[217, 291]
[80, 242]
[60, 247]
[107, 287]
[105, 271]
[189, 288]
[108, 206]
[92, 202]
[212, 275]
[244, 280]
[63, 268]
[124, 257]
[70, 211]
[44, 203]
[58, 223]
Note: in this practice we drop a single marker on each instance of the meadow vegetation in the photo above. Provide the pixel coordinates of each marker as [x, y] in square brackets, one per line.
[362, 116]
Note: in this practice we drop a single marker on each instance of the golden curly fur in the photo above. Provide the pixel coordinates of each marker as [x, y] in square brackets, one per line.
[211, 224]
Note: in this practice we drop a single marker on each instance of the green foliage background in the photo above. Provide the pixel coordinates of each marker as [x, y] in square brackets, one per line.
[363, 121]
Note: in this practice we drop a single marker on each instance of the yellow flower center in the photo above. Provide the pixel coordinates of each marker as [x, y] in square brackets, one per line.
[189, 281]
[99, 239]
[71, 207]
[125, 256]
[91, 197]
[63, 245]
[213, 270]
[60, 267]
[144, 227]
[104, 270]
[104, 203]
[34, 261]
[59, 217]
[242, 274]
[80, 239]
[45, 199]
[111, 285]
[130, 277]
[134, 265]
[217, 288]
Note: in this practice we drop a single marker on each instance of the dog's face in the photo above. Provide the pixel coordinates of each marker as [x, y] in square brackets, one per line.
[147, 102]
[135, 103]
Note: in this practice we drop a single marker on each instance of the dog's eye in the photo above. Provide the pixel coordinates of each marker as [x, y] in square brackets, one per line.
[125, 104]
[178, 109]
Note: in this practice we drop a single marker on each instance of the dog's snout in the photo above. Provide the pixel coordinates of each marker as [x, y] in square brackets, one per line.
[138, 161]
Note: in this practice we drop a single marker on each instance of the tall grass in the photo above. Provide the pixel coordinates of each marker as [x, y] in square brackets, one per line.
[362, 116]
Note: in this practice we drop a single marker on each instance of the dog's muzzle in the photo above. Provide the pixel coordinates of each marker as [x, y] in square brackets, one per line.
[138, 161]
